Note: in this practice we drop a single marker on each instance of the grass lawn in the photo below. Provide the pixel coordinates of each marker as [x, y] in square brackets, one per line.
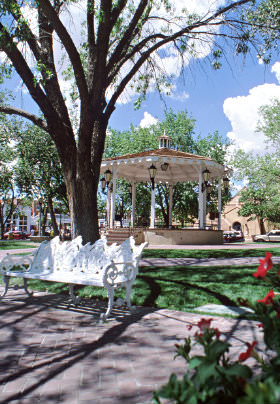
[16, 244]
[179, 288]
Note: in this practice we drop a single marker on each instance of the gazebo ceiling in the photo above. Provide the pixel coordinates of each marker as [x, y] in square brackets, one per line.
[181, 166]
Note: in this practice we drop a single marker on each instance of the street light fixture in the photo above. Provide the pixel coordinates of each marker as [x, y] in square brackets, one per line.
[152, 172]
[206, 176]
[108, 176]
[226, 183]
[103, 184]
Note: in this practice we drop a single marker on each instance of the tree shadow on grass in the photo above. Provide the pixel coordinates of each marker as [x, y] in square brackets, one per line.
[155, 290]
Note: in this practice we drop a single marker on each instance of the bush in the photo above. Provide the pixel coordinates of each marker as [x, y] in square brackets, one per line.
[213, 378]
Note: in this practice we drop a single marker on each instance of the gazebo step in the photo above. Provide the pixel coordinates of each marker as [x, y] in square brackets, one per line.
[121, 234]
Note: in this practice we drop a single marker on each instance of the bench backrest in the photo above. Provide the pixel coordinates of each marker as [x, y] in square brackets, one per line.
[73, 256]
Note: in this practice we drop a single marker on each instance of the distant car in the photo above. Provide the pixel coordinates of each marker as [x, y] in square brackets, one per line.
[234, 235]
[17, 235]
[273, 235]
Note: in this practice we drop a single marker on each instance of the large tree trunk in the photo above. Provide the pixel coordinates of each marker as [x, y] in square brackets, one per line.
[262, 226]
[82, 177]
[82, 194]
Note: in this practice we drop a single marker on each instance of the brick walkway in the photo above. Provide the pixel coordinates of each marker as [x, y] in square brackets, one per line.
[52, 352]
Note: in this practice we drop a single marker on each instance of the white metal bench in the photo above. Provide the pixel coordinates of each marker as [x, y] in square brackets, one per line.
[73, 263]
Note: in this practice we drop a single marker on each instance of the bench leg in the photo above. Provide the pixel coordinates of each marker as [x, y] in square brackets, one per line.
[6, 280]
[128, 290]
[76, 300]
[110, 294]
[30, 293]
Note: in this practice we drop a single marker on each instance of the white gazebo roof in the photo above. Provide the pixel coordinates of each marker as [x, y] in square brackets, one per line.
[182, 166]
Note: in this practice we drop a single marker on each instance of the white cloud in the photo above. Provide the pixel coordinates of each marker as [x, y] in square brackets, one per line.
[148, 120]
[243, 113]
[276, 69]
[180, 96]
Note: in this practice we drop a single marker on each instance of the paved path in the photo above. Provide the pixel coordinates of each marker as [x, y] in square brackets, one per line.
[203, 261]
[52, 352]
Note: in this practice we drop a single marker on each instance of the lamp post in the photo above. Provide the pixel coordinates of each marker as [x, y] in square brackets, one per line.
[40, 215]
[152, 172]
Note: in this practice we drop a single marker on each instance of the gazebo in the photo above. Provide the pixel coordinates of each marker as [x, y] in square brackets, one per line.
[166, 165]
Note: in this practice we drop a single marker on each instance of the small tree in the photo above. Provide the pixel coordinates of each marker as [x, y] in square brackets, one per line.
[38, 172]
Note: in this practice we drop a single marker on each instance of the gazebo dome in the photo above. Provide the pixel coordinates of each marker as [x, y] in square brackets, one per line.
[164, 141]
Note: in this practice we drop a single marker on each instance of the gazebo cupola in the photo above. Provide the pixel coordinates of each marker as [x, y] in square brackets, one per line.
[164, 142]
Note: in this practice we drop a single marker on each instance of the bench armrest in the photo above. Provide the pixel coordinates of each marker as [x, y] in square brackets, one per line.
[117, 273]
[17, 263]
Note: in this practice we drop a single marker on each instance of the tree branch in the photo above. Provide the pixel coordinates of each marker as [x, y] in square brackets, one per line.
[164, 40]
[20, 112]
[22, 68]
[127, 36]
[91, 41]
[70, 47]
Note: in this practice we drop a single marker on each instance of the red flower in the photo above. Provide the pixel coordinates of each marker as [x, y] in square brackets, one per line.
[265, 265]
[268, 299]
[245, 355]
[204, 323]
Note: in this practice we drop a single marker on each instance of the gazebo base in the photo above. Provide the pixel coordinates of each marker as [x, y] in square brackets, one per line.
[183, 237]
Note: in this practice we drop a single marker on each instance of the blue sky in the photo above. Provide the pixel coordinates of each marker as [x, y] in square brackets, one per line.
[207, 90]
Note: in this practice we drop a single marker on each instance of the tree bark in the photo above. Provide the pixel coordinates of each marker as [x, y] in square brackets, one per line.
[53, 218]
[262, 226]
[81, 173]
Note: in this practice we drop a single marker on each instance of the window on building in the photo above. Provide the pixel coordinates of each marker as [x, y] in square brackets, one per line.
[22, 223]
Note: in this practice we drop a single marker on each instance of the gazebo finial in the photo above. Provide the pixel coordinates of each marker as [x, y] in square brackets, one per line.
[164, 141]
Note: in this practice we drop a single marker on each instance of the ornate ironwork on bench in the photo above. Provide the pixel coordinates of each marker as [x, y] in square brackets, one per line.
[73, 263]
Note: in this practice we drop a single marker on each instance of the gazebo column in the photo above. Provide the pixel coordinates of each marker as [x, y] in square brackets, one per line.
[170, 205]
[200, 201]
[113, 201]
[153, 208]
[108, 207]
[219, 204]
[133, 198]
[204, 207]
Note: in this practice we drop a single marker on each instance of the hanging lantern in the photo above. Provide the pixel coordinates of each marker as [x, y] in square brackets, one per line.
[226, 183]
[152, 172]
[206, 175]
[108, 176]
[103, 184]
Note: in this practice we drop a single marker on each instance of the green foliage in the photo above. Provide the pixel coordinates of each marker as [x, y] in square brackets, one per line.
[7, 178]
[213, 378]
[38, 170]
[261, 198]
[264, 23]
